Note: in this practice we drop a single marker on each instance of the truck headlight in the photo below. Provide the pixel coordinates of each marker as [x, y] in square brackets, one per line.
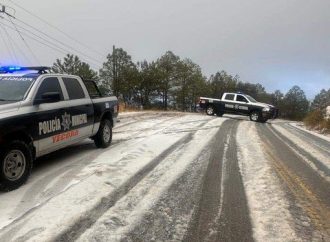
[266, 109]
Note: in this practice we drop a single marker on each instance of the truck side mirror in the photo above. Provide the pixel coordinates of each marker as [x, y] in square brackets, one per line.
[48, 97]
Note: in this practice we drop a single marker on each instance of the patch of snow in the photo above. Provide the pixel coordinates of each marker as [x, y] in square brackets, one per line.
[325, 160]
[268, 205]
[303, 127]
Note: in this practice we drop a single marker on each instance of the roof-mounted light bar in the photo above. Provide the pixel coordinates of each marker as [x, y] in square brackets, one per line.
[12, 69]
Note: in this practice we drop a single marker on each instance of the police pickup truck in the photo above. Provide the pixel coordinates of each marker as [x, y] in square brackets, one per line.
[41, 112]
[241, 104]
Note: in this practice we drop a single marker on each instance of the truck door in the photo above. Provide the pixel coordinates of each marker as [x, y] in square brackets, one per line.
[242, 104]
[81, 109]
[229, 102]
[48, 116]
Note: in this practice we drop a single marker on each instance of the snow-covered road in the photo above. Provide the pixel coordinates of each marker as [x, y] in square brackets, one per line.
[178, 176]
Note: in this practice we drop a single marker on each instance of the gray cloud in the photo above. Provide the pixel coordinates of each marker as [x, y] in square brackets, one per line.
[277, 43]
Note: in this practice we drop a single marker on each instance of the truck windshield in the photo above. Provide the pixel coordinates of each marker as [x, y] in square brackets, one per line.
[14, 88]
[251, 99]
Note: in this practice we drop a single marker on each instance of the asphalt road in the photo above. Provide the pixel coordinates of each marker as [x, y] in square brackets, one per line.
[178, 177]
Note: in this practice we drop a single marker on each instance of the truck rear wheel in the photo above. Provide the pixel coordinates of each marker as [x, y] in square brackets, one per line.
[210, 110]
[255, 116]
[103, 137]
[15, 165]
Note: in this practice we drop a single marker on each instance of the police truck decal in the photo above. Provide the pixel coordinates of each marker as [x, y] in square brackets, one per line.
[56, 124]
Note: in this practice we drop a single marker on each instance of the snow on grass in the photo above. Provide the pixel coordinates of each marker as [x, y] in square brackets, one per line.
[128, 212]
[269, 208]
[110, 169]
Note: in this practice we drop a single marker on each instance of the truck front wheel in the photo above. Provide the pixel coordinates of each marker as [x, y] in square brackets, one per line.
[103, 137]
[210, 110]
[255, 116]
[15, 165]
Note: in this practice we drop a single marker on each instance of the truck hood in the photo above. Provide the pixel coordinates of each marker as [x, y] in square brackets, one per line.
[8, 107]
[264, 105]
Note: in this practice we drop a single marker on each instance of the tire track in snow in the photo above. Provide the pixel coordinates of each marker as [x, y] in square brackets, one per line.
[322, 145]
[160, 205]
[142, 117]
[222, 213]
[74, 167]
[308, 192]
[91, 216]
[301, 150]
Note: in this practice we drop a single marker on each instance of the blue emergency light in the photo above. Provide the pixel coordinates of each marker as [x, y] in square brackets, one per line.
[12, 69]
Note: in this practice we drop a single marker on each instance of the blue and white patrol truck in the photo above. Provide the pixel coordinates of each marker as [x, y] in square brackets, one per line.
[41, 112]
[239, 104]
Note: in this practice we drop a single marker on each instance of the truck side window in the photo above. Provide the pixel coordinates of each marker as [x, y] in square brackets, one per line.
[230, 97]
[240, 98]
[50, 84]
[91, 88]
[74, 88]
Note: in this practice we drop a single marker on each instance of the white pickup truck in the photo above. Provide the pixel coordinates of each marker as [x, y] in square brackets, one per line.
[238, 103]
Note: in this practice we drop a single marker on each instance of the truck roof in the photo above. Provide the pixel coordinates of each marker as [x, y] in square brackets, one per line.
[28, 75]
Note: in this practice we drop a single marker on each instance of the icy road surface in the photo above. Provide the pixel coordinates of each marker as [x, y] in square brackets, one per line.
[178, 177]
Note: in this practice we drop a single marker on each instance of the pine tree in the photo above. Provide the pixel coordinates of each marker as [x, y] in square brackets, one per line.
[73, 65]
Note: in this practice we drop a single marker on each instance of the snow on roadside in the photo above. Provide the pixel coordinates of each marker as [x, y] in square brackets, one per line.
[108, 171]
[303, 128]
[129, 211]
[268, 205]
[321, 157]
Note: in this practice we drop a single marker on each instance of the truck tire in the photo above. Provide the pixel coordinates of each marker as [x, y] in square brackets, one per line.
[103, 137]
[220, 114]
[210, 110]
[255, 116]
[15, 165]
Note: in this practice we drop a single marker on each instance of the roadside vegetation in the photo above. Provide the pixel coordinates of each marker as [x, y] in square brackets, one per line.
[318, 118]
[174, 83]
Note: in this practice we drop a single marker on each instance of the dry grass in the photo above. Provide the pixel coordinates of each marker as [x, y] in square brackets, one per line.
[325, 126]
[316, 120]
[128, 108]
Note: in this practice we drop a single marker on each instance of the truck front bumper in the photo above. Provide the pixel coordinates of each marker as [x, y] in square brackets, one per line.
[272, 114]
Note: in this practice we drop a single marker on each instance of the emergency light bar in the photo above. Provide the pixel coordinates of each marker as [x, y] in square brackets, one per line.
[12, 69]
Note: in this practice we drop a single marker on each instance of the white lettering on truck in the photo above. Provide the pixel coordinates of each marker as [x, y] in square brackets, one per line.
[49, 126]
[79, 119]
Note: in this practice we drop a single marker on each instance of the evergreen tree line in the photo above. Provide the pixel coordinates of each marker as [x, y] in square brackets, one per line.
[171, 82]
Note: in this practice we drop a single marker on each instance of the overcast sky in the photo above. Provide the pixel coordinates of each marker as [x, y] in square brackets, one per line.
[278, 43]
